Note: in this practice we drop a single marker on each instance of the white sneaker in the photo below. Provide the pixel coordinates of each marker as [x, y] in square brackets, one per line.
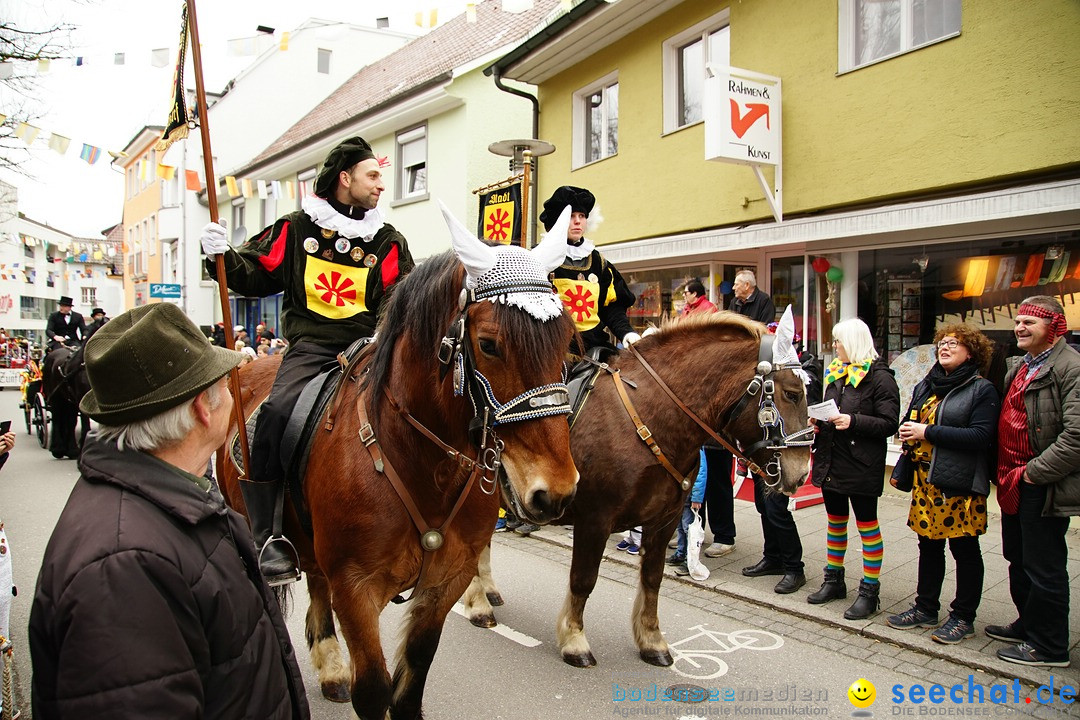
[718, 550]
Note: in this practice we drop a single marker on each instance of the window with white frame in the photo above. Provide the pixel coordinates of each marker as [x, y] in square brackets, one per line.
[412, 163]
[324, 62]
[596, 121]
[875, 30]
[151, 236]
[170, 191]
[89, 296]
[685, 56]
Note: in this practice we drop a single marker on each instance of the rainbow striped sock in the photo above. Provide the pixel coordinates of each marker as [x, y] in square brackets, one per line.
[872, 549]
[836, 541]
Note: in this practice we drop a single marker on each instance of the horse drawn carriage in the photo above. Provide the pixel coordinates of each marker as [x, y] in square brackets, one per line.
[35, 410]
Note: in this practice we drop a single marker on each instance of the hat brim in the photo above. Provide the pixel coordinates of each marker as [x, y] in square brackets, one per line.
[215, 365]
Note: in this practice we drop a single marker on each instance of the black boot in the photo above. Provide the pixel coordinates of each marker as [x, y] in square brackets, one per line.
[866, 604]
[277, 556]
[833, 588]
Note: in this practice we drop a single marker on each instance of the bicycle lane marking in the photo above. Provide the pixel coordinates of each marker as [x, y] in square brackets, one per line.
[509, 633]
[700, 659]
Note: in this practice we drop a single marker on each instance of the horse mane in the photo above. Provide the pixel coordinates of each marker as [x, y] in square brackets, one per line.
[721, 319]
[425, 302]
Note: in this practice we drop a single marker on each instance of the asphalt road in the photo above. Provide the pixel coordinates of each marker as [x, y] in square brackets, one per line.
[749, 659]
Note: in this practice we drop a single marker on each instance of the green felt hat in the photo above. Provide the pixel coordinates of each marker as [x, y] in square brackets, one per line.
[148, 360]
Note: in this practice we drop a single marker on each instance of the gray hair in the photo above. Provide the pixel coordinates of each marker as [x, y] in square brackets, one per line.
[857, 340]
[162, 430]
[748, 276]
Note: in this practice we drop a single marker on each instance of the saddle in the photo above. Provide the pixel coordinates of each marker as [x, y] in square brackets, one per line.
[313, 406]
[583, 375]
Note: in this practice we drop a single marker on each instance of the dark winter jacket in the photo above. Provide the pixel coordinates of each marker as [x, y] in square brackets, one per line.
[1052, 401]
[74, 329]
[852, 461]
[759, 306]
[150, 604]
[962, 435]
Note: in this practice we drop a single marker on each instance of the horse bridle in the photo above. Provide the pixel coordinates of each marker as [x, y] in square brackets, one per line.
[769, 417]
[488, 412]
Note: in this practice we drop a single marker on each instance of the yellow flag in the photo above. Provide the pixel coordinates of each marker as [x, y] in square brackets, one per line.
[427, 19]
[291, 189]
[284, 44]
[26, 132]
[59, 143]
[246, 184]
[230, 184]
[470, 12]
[166, 172]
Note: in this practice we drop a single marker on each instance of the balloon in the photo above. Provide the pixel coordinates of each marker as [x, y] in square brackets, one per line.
[726, 287]
[820, 265]
[834, 274]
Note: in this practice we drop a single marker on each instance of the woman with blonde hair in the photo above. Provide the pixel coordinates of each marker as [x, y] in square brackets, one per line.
[849, 460]
[950, 423]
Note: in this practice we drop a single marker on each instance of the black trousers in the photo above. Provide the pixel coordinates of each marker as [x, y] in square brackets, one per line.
[302, 362]
[1037, 553]
[782, 543]
[719, 496]
[969, 575]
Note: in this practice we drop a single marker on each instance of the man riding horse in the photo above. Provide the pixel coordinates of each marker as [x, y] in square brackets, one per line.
[65, 327]
[334, 260]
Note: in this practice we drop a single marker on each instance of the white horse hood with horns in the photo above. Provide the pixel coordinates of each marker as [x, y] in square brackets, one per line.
[523, 273]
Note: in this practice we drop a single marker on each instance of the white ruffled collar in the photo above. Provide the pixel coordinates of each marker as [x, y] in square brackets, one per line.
[325, 216]
[580, 252]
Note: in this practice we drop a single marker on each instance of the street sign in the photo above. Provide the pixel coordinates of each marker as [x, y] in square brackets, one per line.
[165, 290]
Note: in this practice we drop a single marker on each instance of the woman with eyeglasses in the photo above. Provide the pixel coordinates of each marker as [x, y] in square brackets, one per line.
[849, 461]
[948, 431]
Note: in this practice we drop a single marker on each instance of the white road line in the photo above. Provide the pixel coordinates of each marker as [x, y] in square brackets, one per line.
[509, 633]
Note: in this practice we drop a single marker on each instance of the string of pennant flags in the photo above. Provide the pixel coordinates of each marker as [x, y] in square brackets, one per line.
[237, 47]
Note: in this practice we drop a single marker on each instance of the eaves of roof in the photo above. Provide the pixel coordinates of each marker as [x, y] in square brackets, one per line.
[544, 35]
[408, 71]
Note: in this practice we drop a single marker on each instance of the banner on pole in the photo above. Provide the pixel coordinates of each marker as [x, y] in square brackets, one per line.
[177, 127]
[500, 214]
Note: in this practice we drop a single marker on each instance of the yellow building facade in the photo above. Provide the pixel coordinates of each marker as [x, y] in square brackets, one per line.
[932, 160]
[142, 202]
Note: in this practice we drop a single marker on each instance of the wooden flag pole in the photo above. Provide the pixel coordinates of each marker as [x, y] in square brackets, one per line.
[211, 198]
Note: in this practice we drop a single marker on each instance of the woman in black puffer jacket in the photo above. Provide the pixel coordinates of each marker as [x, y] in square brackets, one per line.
[948, 429]
[849, 460]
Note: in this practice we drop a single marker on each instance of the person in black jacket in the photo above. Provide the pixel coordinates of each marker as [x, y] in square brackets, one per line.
[97, 315]
[149, 603]
[65, 326]
[849, 460]
[750, 300]
[950, 423]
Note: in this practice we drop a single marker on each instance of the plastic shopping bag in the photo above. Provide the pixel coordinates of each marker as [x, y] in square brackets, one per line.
[695, 536]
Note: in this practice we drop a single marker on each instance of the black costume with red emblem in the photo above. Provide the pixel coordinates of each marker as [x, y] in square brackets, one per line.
[590, 287]
[333, 264]
[596, 296]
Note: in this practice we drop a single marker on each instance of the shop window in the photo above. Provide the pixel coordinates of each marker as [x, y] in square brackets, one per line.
[658, 293]
[875, 30]
[596, 121]
[905, 294]
[793, 282]
[685, 56]
[412, 163]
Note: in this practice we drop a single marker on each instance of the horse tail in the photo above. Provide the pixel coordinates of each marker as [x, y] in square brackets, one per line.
[283, 595]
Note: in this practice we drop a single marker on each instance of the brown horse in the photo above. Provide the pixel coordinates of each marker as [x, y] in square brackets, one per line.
[455, 344]
[710, 363]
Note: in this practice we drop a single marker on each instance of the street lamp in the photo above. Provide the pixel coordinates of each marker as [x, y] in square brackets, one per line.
[521, 153]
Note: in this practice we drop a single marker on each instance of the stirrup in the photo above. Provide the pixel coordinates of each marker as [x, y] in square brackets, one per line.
[286, 577]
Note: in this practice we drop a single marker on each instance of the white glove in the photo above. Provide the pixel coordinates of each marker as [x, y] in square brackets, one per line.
[630, 338]
[213, 238]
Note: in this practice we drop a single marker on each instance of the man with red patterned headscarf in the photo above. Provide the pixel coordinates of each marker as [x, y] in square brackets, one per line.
[334, 261]
[1038, 479]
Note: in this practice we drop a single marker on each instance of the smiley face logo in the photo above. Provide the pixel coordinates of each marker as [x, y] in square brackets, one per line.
[862, 693]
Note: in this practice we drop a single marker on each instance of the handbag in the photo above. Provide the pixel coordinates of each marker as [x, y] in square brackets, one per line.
[904, 472]
[695, 536]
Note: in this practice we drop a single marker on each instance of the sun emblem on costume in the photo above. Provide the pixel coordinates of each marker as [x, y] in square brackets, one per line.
[498, 224]
[579, 301]
[335, 290]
